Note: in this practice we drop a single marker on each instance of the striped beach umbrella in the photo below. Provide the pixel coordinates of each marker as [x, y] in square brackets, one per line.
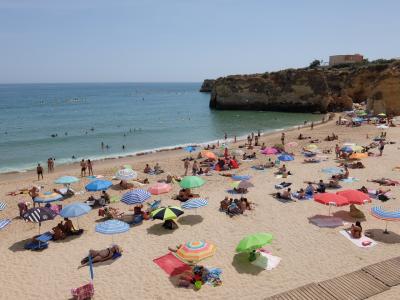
[167, 213]
[2, 206]
[386, 215]
[112, 227]
[47, 197]
[135, 197]
[194, 203]
[160, 188]
[98, 185]
[196, 251]
[39, 215]
[126, 174]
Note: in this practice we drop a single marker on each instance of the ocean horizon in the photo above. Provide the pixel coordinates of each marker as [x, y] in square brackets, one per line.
[70, 121]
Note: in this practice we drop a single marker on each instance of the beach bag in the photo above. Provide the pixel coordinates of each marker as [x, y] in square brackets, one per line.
[383, 197]
[84, 292]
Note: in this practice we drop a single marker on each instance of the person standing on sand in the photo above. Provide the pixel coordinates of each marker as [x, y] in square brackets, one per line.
[283, 138]
[337, 150]
[234, 139]
[83, 168]
[186, 166]
[312, 125]
[195, 168]
[52, 159]
[225, 136]
[39, 172]
[259, 133]
[381, 147]
[90, 167]
[49, 165]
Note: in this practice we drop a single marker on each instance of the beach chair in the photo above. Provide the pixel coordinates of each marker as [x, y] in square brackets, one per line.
[36, 245]
[84, 292]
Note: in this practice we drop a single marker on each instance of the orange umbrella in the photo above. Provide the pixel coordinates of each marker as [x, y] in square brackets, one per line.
[357, 155]
[209, 155]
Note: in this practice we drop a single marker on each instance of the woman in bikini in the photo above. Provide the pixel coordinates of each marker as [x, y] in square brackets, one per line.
[101, 255]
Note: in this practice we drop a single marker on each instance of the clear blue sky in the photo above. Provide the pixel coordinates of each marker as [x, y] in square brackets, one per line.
[185, 40]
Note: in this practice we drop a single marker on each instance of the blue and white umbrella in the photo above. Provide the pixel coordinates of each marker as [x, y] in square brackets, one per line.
[47, 197]
[241, 177]
[285, 157]
[194, 203]
[332, 170]
[75, 210]
[66, 180]
[386, 215]
[112, 227]
[98, 185]
[135, 197]
[2, 206]
[190, 149]
[126, 174]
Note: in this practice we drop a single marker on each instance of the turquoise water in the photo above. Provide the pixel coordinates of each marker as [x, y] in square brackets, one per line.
[140, 116]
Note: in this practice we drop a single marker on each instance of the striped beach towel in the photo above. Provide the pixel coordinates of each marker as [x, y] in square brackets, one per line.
[4, 223]
[2, 206]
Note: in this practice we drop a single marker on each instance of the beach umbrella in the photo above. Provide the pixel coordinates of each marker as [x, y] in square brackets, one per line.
[386, 215]
[358, 155]
[333, 170]
[66, 180]
[75, 210]
[357, 120]
[98, 185]
[160, 188]
[382, 115]
[190, 182]
[311, 147]
[347, 149]
[241, 177]
[382, 126]
[39, 215]
[112, 227]
[292, 144]
[244, 184]
[194, 203]
[361, 113]
[285, 157]
[135, 197]
[355, 196]
[269, 151]
[47, 197]
[357, 148]
[209, 155]
[189, 149]
[331, 199]
[196, 251]
[2, 206]
[253, 242]
[126, 174]
[167, 213]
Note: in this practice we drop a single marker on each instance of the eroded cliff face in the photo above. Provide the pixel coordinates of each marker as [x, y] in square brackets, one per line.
[207, 86]
[313, 90]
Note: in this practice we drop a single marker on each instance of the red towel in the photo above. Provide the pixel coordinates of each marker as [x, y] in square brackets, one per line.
[171, 265]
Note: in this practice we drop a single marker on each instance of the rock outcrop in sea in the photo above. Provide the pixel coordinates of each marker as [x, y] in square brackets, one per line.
[207, 85]
[318, 89]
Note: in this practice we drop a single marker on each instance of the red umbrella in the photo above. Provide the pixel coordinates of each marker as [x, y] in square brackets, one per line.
[331, 200]
[355, 197]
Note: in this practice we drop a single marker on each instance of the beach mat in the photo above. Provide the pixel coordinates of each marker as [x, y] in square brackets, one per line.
[310, 291]
[326, 221]
[387, 271]
[350, 180]
[171, 265]
[358, 242]
[4, 223]
[267, 261]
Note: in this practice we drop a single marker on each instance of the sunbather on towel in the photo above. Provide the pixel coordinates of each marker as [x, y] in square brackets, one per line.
[286, 194]
[385, 181]
[102, 255]
[69, 229]
[356, 230]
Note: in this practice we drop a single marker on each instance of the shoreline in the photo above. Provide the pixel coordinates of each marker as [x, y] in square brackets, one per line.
[147, 152]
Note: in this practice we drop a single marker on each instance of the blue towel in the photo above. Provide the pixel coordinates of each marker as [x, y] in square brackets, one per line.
[2, 206]
[350, 180]
[4, 223]
[45, 237]
[116, 255]
[36, 245]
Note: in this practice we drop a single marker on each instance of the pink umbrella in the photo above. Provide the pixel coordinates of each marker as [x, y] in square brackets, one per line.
[331, 200]
[269, 151]
[160, 188]
[355, 197]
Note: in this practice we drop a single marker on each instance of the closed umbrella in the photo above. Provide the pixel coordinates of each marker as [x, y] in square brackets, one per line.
[39, 215]
[47, 197]
[135, 197]
[126, 174]
[160, 188]
[193, 252]
[190, 182]
[331, 199]
[355, 196]
[98, 185]
[75, 210]
[386, 215]
[285, 157]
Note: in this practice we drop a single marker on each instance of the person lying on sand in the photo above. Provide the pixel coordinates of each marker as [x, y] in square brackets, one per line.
[286, 194]
[224, 204]
[385, 181]
[301, 137]
[125, 185]
[342, 176]
[353, 165]
[333, 183]
[311, 160]
[102, 255]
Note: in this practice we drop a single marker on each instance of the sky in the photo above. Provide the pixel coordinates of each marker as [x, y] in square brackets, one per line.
[185, 40]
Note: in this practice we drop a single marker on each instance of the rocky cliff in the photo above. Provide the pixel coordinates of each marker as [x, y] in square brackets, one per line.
[207, 86]
[319, 89]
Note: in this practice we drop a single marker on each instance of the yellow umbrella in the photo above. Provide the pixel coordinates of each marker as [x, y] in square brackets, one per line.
[195, 251]
[311, 147]
[356, 148]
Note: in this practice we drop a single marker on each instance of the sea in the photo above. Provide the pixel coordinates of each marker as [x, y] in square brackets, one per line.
[71, 121]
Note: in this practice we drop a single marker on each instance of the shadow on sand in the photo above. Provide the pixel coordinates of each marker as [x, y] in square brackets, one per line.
[379, 236]
[242, 265]
[158, 229]
[190, 220]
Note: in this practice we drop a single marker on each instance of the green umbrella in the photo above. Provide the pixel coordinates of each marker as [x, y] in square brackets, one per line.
[190, 182]
[167, 213]
[254, 242]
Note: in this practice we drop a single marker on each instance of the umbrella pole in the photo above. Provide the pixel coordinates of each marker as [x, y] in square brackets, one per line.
[77, 221]
[40, 224]
[386, 231]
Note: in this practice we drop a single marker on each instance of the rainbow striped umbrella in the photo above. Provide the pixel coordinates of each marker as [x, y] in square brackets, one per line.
[196, 251]
[47, 197]
[386, 215]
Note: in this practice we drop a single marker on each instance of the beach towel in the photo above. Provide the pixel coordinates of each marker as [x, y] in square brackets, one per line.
[359, 242]
[2, 206]
[326, 221]
[306, 197]
[45, 237]
[266, 261]
[171, 265]
[241, 177]
[258, 168]
[4, 223]
[350, 180]
[280, 176]
[282, 185]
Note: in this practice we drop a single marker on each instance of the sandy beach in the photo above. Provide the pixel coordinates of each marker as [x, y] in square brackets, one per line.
[308, 253]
